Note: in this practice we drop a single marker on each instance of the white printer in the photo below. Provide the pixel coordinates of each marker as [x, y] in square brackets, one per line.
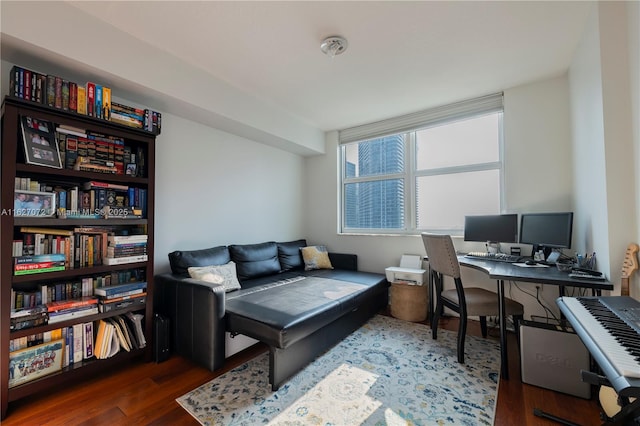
[409, 270]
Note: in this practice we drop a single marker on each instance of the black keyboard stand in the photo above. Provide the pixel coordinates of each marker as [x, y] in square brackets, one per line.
[539, 413]
[628, 415]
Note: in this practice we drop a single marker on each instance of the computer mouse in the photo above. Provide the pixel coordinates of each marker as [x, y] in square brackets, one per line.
[530, 262]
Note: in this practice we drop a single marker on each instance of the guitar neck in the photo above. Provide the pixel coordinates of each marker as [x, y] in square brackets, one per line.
[629, 266]
[624, 289]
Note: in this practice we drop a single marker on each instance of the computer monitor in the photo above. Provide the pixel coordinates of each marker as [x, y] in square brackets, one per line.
[546, 231]
[496, 228]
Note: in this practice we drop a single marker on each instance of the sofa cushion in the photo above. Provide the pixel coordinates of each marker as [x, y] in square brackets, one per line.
[181, 260]
[283, 312]
[217, 274]
[289, 255]
[315, 257]
[255, 260]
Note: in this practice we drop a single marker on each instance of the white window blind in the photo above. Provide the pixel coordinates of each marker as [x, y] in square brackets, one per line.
[422, 119]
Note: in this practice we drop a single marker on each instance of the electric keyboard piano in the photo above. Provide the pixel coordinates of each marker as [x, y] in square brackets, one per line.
[609, 327]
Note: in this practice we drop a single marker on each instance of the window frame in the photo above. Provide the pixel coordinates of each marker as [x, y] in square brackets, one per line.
[410, 176]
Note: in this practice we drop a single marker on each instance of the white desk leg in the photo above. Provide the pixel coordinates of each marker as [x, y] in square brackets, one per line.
[503, 332]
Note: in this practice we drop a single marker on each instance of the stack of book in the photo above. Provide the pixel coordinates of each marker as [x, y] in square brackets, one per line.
[86, 246]
[126, 249]
[127, 115]
[64, 310]
[121, 296]
[39, 263]
[28, 317]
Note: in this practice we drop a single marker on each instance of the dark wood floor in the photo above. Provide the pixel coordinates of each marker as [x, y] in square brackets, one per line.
[145, 393]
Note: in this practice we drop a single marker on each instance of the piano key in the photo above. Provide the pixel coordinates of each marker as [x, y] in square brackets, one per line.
[624, 362]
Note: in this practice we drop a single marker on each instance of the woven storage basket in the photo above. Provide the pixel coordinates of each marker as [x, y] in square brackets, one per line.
[409, 302]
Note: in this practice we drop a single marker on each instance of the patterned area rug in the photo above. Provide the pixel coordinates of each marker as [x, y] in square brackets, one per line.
[389, 372]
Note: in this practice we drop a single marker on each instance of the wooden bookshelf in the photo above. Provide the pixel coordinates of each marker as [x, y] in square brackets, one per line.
[13, 165]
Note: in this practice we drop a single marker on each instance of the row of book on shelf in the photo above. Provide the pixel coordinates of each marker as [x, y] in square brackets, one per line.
[91, 200]
[41, 307]
[63, 146]
[38, 355]
[75, 288]
[40, 250]
[91, 99]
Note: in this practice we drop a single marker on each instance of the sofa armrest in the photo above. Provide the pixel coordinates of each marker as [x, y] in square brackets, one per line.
[196, 312]
[344, 261]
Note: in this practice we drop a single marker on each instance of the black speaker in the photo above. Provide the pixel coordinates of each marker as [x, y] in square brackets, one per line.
[160, 338]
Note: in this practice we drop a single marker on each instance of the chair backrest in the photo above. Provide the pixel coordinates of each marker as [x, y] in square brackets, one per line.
[441, 254]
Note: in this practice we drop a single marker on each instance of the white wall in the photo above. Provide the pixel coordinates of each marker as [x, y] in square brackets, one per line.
[606, 185]
[538, 152]
[588, 141]
[214, 188]
[537, 145]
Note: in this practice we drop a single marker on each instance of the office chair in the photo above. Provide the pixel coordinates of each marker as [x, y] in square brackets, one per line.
[466, 301]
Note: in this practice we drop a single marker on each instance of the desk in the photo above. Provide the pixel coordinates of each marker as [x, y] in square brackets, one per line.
[501, 271]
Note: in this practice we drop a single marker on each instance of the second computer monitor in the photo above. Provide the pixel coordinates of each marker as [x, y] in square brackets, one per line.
[497, 228]
[546, 231]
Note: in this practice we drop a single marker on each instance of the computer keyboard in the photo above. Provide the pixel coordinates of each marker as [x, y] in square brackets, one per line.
[495, 257]
[585, 276]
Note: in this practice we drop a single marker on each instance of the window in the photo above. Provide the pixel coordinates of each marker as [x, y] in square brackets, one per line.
[444, 165]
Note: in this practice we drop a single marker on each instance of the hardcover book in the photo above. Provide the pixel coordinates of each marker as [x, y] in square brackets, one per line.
[88, 340]
[73, 96]
[82, 100]
[119, 288]
[71, 152]
[110, 307]
[51, 91]
[61, 305]
[27, 84]
[72, 314]
[41, 87]
[98, 102]
[106, 103]
[65, 95]
[14, 82]
[78, 342]
[127, 239]
[119, 332]
[91, 99]
[123, 260]
[58, 92]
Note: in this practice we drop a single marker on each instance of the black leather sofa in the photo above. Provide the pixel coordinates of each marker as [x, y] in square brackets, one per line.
[299, 314]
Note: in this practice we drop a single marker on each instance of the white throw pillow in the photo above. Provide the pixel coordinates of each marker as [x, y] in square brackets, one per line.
[217, 274]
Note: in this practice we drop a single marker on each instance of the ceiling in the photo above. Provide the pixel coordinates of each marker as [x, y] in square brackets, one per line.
[402, 56]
